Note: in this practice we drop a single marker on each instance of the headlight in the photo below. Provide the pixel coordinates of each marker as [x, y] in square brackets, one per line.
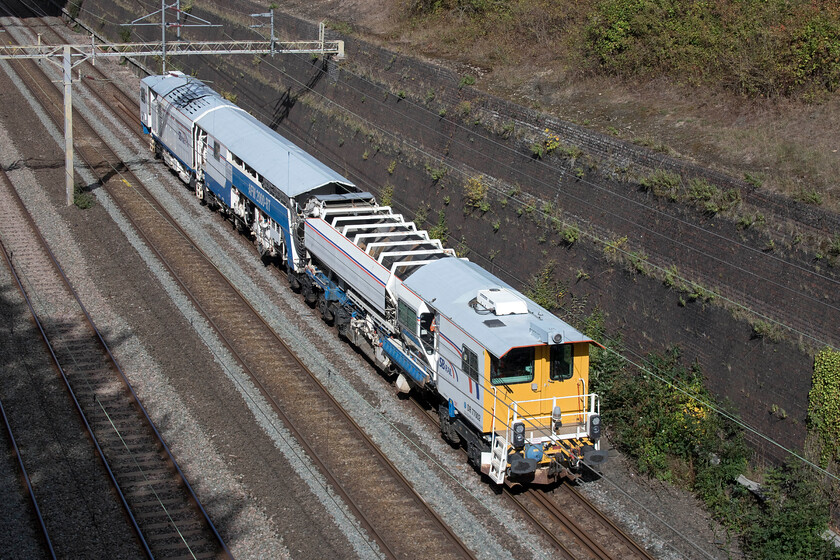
[594, 427]
[556, 418]
[518, 435]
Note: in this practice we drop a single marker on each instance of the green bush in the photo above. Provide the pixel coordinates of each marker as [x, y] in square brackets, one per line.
[824, 404]
[82, 197]
[663, 183]
[754, 47]
[790, 521]
[387, 195]
[475, 192]
[676, 436]
[440, 230]
[544, 289]
[672, 435]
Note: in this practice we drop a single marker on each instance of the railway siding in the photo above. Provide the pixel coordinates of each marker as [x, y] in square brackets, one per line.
[376, 418]
[280, 376]
[61, 475]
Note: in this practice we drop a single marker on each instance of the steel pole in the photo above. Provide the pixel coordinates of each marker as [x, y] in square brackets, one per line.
[163, 35]
[68, 126]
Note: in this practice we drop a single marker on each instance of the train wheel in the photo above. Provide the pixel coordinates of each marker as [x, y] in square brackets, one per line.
[294, 282]
[307, 290]
[326, 311]
[446, 426]
[342, 322]
[323, 307]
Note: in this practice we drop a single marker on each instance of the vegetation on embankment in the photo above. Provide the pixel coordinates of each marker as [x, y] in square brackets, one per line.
[748, 86]
[752, 47]
[665, 420]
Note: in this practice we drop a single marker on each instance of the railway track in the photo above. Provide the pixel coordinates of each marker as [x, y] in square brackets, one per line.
[359, 473]
[42, 526]
[593, 534]
[563, 516]
[158, 503]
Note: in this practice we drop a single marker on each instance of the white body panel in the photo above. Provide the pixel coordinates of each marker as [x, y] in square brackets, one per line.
[361, 271]
[452, 381]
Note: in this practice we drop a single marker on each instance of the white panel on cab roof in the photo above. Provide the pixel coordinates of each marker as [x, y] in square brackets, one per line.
[501, 302]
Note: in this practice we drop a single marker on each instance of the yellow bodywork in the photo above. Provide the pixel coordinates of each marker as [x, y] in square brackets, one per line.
[533, 401]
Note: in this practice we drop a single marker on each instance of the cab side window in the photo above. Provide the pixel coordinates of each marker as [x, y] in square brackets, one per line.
[469, 363]
[517, 366]
[562, 362]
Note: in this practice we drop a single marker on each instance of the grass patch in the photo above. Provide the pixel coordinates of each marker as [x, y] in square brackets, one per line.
[768, 330]
[387, 195]
[710, 198]
[663, 184]
[440, 230]
[475, 192]
[753, 48]
[544, 289]
[82, 197]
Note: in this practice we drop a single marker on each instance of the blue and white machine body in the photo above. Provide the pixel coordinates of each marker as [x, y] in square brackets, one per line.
[509, 378]
[233, 159]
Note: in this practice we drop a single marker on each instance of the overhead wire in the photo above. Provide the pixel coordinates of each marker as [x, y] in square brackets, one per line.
[676, 387]
[670, 383]
[244, 390]
[626, 253]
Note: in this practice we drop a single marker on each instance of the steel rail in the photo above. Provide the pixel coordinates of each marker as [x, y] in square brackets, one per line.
[166, 216]
[126, 384]
[130, 118]
[79, 409]
[44, 531]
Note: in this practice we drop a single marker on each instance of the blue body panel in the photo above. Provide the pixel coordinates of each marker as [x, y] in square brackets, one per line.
[404, 362]
[275, 209]
[220, 190]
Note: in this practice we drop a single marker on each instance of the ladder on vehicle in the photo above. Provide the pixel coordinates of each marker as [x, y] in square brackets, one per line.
[498, 459]
[498, 449]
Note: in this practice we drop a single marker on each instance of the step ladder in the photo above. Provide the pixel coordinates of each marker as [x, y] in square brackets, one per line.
[498, 459]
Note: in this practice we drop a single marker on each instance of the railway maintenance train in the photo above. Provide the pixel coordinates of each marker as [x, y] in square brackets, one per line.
[510, 379]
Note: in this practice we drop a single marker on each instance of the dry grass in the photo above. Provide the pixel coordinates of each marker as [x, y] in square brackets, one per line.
[790, 145]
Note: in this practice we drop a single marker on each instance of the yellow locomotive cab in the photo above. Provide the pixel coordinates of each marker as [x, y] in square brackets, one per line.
[542, 409]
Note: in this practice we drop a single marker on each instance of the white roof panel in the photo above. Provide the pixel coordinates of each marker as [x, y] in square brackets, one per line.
[284, 164]
[450, 284]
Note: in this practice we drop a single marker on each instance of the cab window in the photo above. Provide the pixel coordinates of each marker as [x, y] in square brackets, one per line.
[517, 366]
[562, 362]
[469, 362]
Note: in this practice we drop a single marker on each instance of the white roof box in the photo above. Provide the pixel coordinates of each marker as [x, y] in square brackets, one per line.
[502, 302]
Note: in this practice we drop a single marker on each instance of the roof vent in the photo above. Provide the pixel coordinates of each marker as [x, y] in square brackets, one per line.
[501, 302]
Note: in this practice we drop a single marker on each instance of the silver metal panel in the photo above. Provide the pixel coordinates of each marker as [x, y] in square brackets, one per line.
[448, 285]
[349, 262]
[275, 158]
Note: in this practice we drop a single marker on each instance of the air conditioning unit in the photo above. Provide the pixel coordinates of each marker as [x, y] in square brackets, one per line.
[501, 302]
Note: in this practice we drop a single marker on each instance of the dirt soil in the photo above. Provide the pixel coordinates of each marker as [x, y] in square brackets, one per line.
[729, 134]
[789, 146]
